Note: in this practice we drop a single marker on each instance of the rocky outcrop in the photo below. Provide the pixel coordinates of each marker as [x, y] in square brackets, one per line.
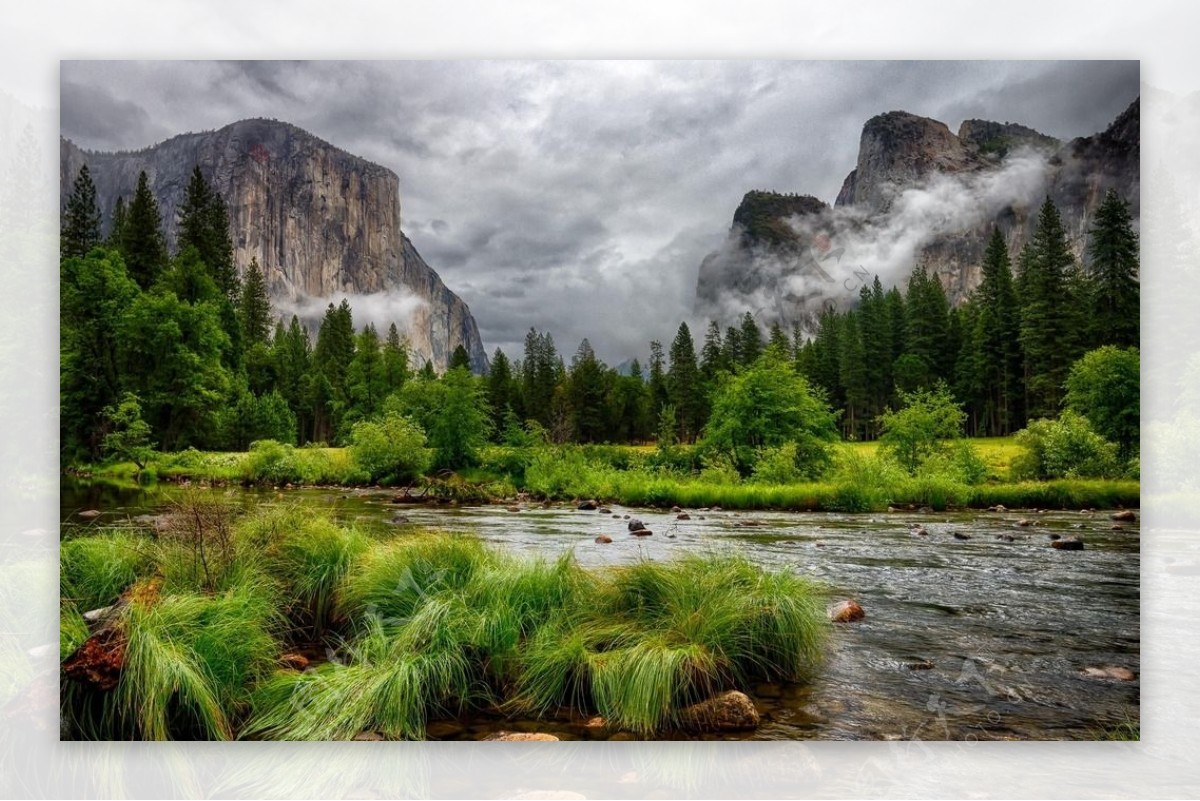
[783, 257]
[320, 221]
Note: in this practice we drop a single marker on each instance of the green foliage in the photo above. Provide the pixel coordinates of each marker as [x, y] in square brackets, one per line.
[453, 413]
[1115, 291]
[254, 307]
[142, 244]
[81, 219]
[919, 428]
[72, 629]
[1064, 448]
[778, 465]
[278, 463]
[95, 569]
[307, 555]
[390, 449]
[129, 435]
[204, 226]
[1105, 387]
[190, 660]
[768, 405]
[94, 294]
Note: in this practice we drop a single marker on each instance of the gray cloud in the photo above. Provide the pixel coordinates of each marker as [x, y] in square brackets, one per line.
[580, 197]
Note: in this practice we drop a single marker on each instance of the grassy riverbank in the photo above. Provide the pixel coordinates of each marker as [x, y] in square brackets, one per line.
[861, 479]
[417, 628]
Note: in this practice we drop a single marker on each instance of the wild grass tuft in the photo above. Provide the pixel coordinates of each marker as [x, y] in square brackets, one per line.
[308, 555]
[190, 660]
[386, 686]
[95, 568]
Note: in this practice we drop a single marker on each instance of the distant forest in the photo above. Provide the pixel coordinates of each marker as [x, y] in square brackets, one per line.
[198, 352]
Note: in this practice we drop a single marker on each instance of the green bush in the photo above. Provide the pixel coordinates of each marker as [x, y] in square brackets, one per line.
[390, 449]
[778, 465]
[1064, 448]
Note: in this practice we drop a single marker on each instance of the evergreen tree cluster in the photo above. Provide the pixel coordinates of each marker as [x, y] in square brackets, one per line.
[193, 345]
[1006, 351]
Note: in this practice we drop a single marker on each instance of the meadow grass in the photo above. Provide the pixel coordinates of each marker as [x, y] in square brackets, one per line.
[95, 568]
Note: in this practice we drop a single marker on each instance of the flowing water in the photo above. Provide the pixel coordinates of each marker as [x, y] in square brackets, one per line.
[980, 638]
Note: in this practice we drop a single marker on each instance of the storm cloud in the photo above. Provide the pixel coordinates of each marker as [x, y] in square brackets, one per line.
[580, 197]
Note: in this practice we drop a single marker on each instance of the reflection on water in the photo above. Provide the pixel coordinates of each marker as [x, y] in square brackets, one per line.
[979, 638]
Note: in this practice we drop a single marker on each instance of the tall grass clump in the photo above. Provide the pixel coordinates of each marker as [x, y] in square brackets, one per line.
[95, 568]
[72, 629]
[306, 555]
[189, 662]
[385, 686]
[657, 637]
[863, 482]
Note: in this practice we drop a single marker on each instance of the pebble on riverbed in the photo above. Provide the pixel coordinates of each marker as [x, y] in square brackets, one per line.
[1110, 672]
[603, 539]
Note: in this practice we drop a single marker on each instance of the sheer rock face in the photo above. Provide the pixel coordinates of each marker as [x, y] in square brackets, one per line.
[321, 222]
[771, 250]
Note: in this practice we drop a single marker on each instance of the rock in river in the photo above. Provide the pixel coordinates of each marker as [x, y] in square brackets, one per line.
[729, 711]
[521, 736]
[1068, 544]
[603, 539]
[636, 525]
[1124, 516]
[846, 612]
[588, 506]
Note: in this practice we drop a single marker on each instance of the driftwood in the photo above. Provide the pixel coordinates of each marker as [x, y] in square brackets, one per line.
[97, 664]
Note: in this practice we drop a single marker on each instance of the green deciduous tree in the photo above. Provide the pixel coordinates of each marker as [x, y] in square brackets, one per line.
[1105, 387]
[128, 434]
[768, 405]
[921, 426]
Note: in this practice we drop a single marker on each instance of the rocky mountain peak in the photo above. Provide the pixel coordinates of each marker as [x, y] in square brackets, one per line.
[899, 148]
[320, 221]
[761, 217]
[998, 139]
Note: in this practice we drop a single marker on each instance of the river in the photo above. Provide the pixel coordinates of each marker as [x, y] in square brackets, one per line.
[984, 638]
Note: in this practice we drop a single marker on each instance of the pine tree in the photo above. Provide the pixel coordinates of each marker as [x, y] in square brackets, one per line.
[331, 358]
[750, 340]
[460, 358]
[852, 374]
[204, 224]
[684, 391]
[659, 394]
[142, 243]
[395, 359]
[254, 309]
[712, 358]
[292, 354]
[586, 392]
[501, 391]
[1044, 328]
[1115, 301]
[116, 226]
[926, 331]
[81, 220]
[540, 371]
[366, 381]
[996, 338]
[731, 349]
[779, 341]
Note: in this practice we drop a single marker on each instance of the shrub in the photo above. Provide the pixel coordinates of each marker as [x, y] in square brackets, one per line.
[1105, 387]
[1064, 448]
[918, 429]
[777, 465]
[390, 449]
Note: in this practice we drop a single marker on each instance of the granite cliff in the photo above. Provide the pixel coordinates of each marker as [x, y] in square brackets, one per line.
[321, 222]
[918, 194]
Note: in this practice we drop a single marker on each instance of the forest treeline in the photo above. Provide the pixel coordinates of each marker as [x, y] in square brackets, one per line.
[179, 341]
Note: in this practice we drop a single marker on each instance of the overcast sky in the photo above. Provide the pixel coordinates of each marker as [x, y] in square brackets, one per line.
[580, 197]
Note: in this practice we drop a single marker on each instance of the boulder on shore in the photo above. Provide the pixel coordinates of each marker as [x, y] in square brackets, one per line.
[846, 612]
[729, 711]
[588, 506]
